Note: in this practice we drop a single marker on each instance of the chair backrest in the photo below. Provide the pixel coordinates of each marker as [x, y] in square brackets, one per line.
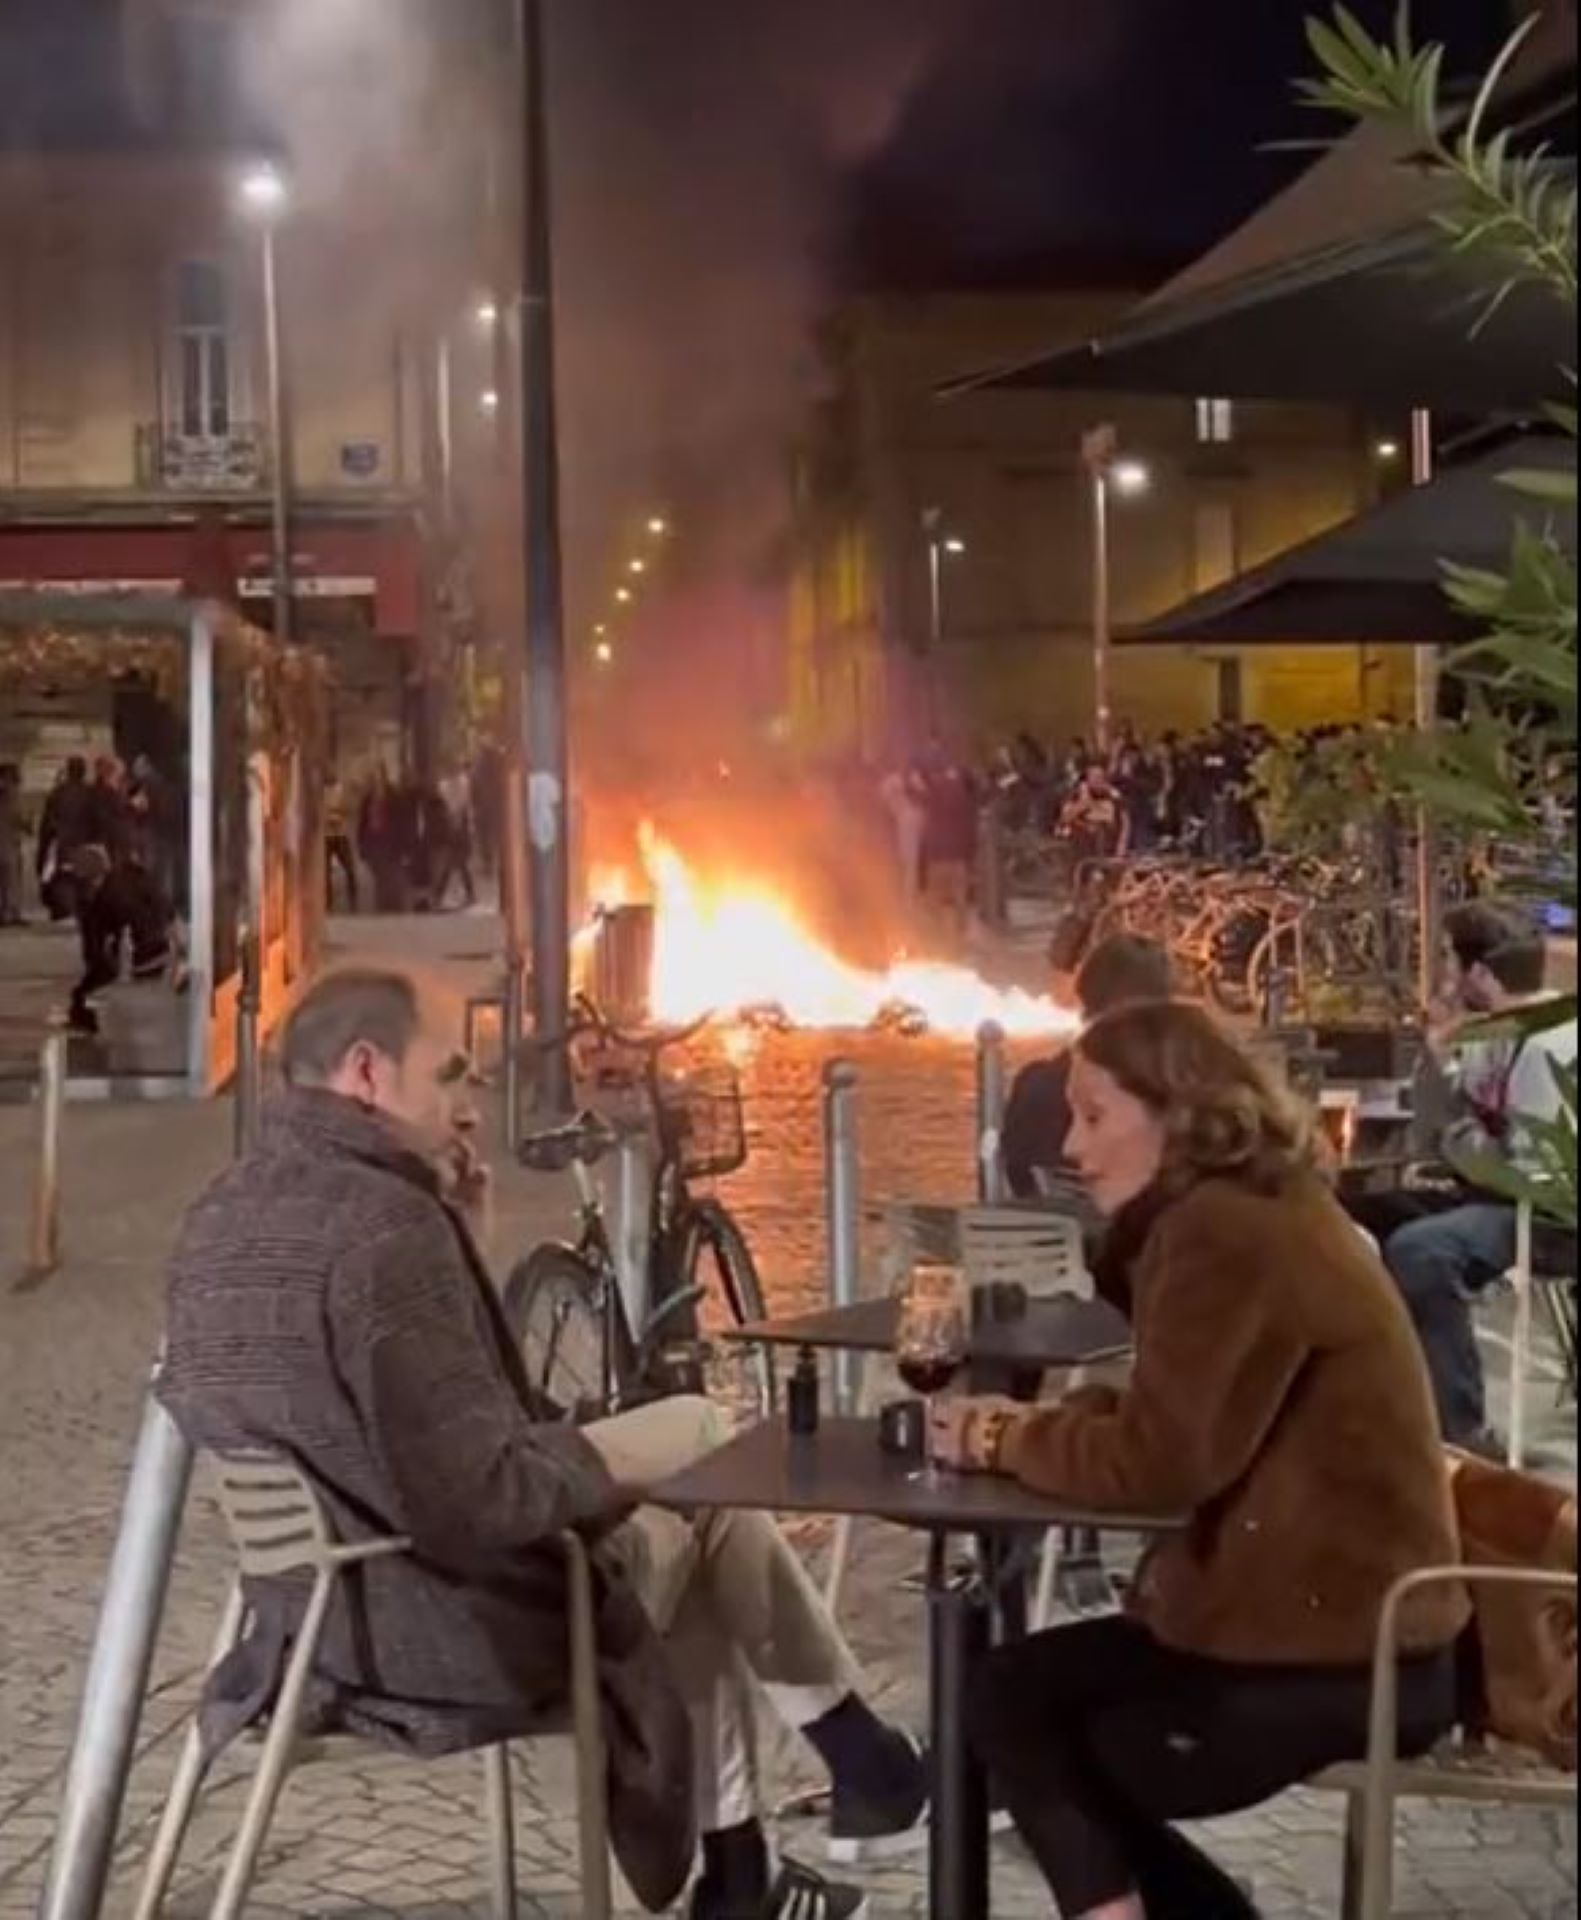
[276, 1519]
[912, 1231]
[1039, 1252]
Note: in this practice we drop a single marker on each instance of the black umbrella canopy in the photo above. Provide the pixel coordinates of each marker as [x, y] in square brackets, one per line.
[1379, 578]
[1342, 289]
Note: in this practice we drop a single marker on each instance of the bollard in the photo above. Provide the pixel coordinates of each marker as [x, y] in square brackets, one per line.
[511, 1053]
[992, 1075]
[44, 1245]
[249, 1011]
[118, 1670]
[991, 904]
[842, 1177]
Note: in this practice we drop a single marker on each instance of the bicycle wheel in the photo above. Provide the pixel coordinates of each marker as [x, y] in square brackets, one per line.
[551, 1302]
[716, 1257]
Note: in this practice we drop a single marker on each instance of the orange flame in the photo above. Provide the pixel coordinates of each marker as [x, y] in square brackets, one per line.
[723, 946]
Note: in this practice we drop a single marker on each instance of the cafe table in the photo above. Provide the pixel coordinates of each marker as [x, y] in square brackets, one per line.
[841, 1469]
[1049, 1333]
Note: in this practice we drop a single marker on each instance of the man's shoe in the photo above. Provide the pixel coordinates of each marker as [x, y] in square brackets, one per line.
[797, 1894]
[865, 1829]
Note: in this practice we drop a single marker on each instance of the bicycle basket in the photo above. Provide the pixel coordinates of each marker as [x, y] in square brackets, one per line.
[701, 1123]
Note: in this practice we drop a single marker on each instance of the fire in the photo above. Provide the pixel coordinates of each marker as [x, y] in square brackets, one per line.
[727, 945]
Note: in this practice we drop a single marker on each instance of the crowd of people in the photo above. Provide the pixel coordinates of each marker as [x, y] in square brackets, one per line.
[1295, 1375]
[416, 841]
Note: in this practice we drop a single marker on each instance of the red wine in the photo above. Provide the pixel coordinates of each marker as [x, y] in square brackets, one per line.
[928, 1376]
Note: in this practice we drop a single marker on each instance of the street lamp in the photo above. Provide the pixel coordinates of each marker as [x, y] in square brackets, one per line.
[658, 527]
[604, 653]
[942, 546]
[1109, 474]
[264, 196]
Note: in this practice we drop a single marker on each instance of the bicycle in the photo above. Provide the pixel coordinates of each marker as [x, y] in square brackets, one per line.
[587, 1347]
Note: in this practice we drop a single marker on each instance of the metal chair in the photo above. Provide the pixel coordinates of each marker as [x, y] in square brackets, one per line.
[1040, 1252]
[1372, 1787]
[278, 1525]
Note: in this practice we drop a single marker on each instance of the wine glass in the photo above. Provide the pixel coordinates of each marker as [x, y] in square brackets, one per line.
[932, 1331]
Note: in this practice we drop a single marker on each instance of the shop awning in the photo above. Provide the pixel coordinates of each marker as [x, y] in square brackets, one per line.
[1378, 579]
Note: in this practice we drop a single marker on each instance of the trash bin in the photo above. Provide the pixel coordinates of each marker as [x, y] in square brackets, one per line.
[623, 965]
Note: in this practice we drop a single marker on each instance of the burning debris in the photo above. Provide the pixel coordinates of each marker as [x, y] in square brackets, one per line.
[685, 943]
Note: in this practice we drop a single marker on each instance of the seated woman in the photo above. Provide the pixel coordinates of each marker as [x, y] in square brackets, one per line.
[1281, 1407]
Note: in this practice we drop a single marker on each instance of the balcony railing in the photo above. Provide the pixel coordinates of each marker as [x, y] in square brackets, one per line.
[233, 462]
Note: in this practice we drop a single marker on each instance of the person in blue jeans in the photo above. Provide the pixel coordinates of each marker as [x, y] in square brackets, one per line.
[1446, 1246]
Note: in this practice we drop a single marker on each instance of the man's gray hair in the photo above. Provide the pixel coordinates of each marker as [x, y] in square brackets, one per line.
[374, 1006]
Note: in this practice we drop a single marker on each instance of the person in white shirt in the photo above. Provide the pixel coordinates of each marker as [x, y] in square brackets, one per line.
[1500, 1087]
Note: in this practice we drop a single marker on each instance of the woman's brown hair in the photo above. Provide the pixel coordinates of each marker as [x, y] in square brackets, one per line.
[1223, 1114]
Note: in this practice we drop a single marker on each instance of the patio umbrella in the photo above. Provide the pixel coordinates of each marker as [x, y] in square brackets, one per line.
[1378, 578]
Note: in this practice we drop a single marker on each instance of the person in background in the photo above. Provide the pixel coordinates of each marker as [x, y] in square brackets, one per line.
[379, 842]
[151, 820]
[902, 798]
[329, 1301]
[1280, 1408]
[949, 843]
[1117, 972]
[1094, 820]
[1446, 1245]
[337, 845]
[109, 816]
[119, 907]
[455, 795]
[11, 825]
[488, 805]
[66, 827]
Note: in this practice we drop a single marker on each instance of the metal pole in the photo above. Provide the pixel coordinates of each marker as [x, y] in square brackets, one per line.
[992, 1077]
[1428, 904]
[44, 1246]
[511, 1052]
[935, 590]
[842, 1191]
[279, 440]
[118, 1670]
[249, 1010]
[1101, 610]
[990, 867]
[545, 717]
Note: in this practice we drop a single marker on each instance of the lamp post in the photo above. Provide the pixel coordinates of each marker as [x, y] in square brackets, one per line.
[264, 196]
[942, 546]
[1108, 474]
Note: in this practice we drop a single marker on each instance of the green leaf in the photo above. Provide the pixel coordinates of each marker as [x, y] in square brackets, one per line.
[1541, 483]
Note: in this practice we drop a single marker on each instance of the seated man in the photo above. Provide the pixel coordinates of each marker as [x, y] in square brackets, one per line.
[328, 1302]
[1446, 1244]
[1119, 970]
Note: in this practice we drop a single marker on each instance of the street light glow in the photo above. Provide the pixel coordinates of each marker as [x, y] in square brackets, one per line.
[955, 546]
[1388, 449]
[263, 189]
[658, 528]
[636, 566]
[487, 313]
[489, 401]
[604, 653]
[623, 595]
[1131, 477]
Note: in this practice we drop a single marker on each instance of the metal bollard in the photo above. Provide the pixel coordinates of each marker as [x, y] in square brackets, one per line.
[991, 905]
[842, 1180]
[249, 1064]
[992, 1091]
[44, 1245]
[118, 1670]
[511, 1052]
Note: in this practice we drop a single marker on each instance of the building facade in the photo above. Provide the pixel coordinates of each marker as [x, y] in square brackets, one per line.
[944, 547]
[136, 447]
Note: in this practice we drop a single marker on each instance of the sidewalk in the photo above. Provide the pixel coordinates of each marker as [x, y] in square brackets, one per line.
[373, 1837]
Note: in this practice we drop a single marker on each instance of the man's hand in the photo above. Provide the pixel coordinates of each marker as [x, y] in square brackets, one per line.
[963, 1433]
[467, 1182]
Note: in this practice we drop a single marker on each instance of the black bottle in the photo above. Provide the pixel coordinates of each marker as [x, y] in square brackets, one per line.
[801, 1394]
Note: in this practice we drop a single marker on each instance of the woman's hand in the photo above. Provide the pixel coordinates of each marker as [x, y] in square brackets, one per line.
[964, 1433]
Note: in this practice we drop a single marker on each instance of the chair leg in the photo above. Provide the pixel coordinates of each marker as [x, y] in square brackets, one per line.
[500, 1826]
[274, 1763]
[186, 1783]
[1355, 1856]
[592, 1764]
[1048, 1574]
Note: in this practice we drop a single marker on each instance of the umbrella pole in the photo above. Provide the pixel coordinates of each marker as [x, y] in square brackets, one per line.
[1428, 904]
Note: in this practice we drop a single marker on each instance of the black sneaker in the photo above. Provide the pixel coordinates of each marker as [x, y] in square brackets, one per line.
[865, 1829]
[797, 1894]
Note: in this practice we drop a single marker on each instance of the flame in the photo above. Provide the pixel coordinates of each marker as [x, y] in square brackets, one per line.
[725, 946]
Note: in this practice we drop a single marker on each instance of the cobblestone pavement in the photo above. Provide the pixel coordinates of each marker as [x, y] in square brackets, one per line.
[368, 1836]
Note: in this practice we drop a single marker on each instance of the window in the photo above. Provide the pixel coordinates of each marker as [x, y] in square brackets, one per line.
[203, 352]
[1215, 422]
[1215, 556]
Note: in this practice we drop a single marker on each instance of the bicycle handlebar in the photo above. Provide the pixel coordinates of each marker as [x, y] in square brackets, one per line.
[587, 1020]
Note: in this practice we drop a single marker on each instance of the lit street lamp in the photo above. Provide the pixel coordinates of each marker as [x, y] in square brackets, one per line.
[658, 527]
[1109, 474]
[942, 546]
[264, 196]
